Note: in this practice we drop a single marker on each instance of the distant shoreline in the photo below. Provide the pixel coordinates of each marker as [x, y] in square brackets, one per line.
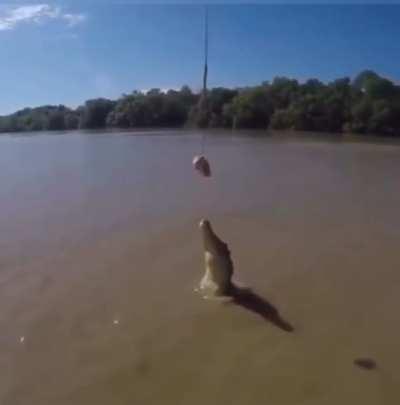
[369, 104]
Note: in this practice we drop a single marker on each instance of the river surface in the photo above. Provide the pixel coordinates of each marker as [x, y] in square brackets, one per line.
[101, 253]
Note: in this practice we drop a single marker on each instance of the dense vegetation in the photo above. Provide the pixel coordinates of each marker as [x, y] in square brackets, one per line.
[368, 104]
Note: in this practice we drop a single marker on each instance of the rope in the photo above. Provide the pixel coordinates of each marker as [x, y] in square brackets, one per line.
[203, 143]
[205, 51]
[203, 104]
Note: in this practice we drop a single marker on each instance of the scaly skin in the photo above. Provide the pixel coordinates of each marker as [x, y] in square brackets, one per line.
[218, 263]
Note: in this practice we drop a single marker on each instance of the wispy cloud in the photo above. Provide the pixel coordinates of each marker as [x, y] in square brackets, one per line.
[13, 16]
[73, 19]
[162, 89]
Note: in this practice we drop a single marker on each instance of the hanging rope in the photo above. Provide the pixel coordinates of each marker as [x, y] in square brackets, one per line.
[203, 103]
[205, 52]
[200, 163]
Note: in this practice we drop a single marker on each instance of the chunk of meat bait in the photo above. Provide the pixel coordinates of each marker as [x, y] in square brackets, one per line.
[200, 163]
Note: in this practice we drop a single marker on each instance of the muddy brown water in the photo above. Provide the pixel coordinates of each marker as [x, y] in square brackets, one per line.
[100, 254]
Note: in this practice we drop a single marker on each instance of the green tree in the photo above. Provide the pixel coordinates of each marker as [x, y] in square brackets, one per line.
[282, 91]
[56, 121]
[217, 98]
[384, 118]
[375, 86]
[368, 104]
[282, 119]
[252, 108]
[360, 115]
[95, 112]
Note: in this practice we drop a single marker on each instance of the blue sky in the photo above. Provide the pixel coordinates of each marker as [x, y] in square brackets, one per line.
[55, 52]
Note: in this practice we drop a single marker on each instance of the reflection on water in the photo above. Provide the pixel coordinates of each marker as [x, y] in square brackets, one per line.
[100, 252]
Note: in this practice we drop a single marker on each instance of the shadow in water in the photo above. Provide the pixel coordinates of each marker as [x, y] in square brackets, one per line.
[246, 298]
[365, 363]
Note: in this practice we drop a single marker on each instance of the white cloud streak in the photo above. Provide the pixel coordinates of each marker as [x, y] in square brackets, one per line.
[10, 18]
[73, 19]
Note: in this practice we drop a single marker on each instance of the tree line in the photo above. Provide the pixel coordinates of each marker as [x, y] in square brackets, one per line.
[368, 104]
